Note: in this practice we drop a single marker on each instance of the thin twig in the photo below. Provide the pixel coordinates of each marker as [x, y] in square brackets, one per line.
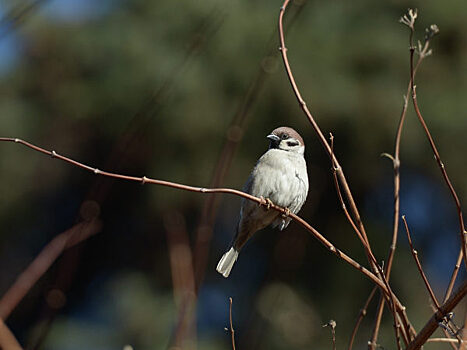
[455, 271]
[332, 324]
[322, 139]
[232, 331]
[396, 166]
[442, 340]
[419, 265]
[361, 315]
[340, 174]
[441, 166]
[438, 316]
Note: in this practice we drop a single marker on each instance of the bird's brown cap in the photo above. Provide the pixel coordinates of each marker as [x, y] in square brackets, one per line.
[285, 130]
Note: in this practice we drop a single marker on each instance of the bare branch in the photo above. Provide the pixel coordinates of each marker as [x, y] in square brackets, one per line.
[438, 316]
[396, 166]
[430, 32]
[7, 339]
[146, 180]
[361, 315]
[315, 126]
[419, 265]
[232, 331]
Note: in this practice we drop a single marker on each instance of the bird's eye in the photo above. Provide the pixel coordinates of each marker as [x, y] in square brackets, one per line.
[292, 143]
[284, 136]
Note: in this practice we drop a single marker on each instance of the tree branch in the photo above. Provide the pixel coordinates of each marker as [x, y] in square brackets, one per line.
[145, 180]
[438, 317]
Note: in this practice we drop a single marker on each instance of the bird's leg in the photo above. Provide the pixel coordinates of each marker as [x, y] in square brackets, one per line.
[286, 213]
[266, 202]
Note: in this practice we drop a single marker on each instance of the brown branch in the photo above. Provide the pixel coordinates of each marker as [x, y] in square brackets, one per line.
[361, 315]
[396, 166]
[322, 139]
[442, 340]
[419, 265]
[455, 271]
[43, 261]
[438, 317]
[365, 245]
[340, 173]
[332, 324]
[448, 328]
[463, 333]
[430, 33]
[145, 180]
[7, 339]
[232, 331]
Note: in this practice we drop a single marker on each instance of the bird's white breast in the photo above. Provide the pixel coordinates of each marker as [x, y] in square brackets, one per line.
[282, 177]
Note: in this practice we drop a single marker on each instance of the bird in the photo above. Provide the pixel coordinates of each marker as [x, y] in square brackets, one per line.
[280, 177]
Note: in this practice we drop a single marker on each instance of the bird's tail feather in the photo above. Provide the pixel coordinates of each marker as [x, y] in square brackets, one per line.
[227, 261]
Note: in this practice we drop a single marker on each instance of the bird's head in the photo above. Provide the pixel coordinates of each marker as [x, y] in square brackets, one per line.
[286, 139]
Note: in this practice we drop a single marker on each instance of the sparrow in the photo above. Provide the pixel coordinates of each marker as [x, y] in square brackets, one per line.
[280, 176]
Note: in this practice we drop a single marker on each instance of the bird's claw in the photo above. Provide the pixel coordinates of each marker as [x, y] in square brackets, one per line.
[286, 212]
[266, 202]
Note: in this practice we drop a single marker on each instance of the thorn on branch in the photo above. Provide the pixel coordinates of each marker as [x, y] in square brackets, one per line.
[143, 180]
[53, 154]
[97, 171]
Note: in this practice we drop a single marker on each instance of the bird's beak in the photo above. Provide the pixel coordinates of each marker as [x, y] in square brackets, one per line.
[273, 138]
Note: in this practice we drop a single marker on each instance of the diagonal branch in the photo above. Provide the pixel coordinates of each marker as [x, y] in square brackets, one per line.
[7, 338]
[438, 317]
[145, 180]
[419, 265]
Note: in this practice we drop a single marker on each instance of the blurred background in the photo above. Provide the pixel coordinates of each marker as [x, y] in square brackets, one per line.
[186, 91]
